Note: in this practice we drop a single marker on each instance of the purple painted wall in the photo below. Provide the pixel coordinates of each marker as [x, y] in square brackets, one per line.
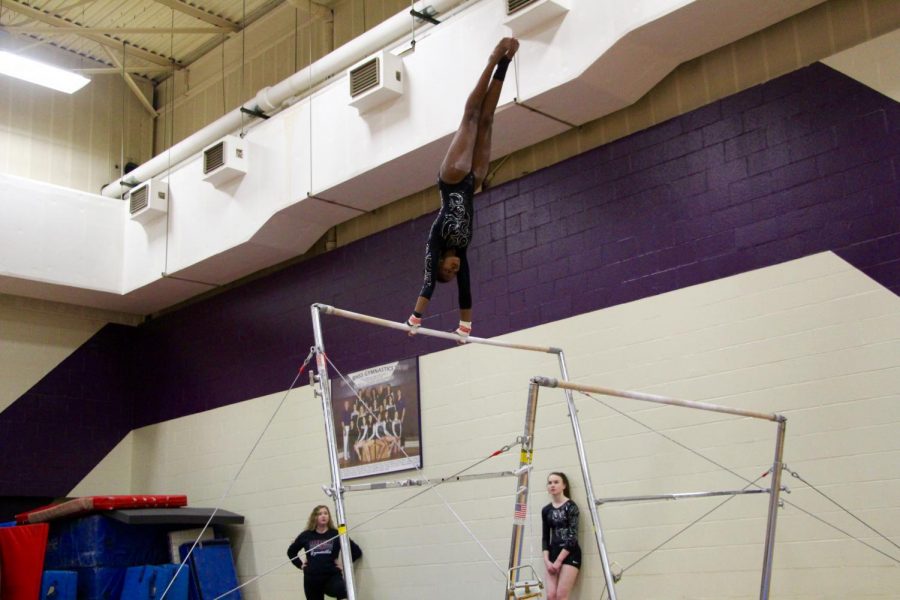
[805, 163]
[57, 431]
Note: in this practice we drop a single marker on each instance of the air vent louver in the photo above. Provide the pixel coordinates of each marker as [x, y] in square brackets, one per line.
[225, 160]
[514, 5]
[375, 80]
[138, 199]
[213, 157]
[148, 200]
[364, 78]
[523, 16]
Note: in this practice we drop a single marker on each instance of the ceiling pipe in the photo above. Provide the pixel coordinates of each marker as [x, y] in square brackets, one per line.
[271, 98]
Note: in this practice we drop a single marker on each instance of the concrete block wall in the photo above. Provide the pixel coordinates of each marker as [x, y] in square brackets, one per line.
[693, 199]
[653, 254]
[68, 420]
[58, 368]
[813, 339]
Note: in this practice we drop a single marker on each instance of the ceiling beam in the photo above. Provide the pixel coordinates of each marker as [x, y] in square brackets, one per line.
[118, 71]
[39, 15]
[199, 13]
[65, 9]
[318, 8]
[76, 30]
[129, 80]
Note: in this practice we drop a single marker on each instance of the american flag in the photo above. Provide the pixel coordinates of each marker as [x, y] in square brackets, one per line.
[521, 510]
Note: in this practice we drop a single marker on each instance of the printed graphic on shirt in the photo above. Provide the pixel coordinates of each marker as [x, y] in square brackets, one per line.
[320, 548]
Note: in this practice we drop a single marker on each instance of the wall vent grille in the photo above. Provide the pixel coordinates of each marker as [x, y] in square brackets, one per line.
[364, 78]
[523, 16]
[213, 157]
[139, 199]
[514, 5]
[225, 160]
[148, 200]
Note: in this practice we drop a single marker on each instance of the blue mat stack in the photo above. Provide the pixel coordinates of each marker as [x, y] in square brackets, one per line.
[149, 582]
[100, 550]
[212, 570]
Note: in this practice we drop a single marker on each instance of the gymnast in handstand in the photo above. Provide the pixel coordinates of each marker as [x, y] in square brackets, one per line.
[462, 172]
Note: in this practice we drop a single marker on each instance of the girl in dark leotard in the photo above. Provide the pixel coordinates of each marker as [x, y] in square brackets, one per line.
[562, 554]
[462, 172]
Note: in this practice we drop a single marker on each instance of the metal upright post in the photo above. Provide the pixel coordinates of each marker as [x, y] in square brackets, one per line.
[589, 486]
[521, 508]
[774, 496]
[338, 495]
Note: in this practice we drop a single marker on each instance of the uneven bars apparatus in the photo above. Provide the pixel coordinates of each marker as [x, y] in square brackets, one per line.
[775, 490]
[325, 393]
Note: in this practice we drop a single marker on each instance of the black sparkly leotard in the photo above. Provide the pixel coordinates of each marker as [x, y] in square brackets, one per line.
[561, 532]
[452, 229]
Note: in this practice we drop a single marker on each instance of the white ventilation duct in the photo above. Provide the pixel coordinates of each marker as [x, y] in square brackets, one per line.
[271, 98]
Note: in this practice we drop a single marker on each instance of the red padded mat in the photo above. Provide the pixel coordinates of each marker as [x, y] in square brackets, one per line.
[79, 506]
[22, 561]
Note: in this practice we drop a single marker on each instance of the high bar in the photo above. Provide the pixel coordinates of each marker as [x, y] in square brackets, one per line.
[337, 312]
[567, 385]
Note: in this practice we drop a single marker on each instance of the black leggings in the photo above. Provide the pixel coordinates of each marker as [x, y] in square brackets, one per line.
[330, 583]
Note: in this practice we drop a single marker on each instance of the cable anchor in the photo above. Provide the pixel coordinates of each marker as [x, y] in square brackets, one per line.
[426, 14]
[254, 112]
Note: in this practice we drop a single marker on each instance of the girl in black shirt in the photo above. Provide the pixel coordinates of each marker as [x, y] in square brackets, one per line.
[319, 560]
[462, 172]
[562, 554]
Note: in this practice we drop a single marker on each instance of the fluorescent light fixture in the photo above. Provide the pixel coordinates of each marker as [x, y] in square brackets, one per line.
[40, 73]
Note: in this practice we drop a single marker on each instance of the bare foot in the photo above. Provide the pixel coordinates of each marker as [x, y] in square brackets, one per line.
[512, 47]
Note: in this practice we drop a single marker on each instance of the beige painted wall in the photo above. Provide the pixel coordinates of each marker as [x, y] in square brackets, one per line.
[76, 140]
[36, 335]
[80, 141]
[270, 50]
[813, 339]
[875, 63]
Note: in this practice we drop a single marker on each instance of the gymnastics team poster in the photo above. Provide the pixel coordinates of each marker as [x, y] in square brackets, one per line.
[378, 423]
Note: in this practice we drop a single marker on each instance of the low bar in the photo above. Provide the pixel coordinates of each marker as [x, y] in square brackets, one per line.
[401, 483]
[682, 495]
[566, 385]
[337, 312]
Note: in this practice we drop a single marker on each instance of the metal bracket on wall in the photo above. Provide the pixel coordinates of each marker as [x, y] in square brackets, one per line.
[256, 113]
[424, 16]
